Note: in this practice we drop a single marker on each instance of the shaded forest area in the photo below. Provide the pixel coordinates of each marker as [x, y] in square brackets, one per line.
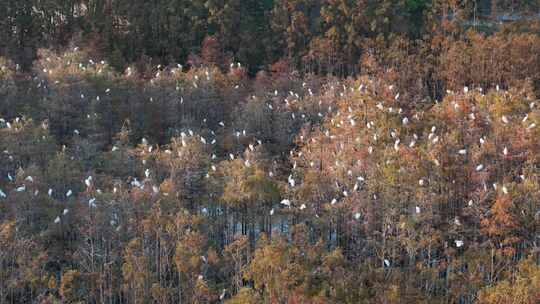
[286, 151]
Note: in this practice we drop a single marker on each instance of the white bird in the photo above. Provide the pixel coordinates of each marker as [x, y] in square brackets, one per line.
[462, 151]
[29, 179]
[505, 190]
[479, 167]
[50, 191]
[459, 243]
[65, 211]
[531, 126]
[504, 119]
[57, 220]
[303, 207]
[2, 194]
[147, 173]
[396, 145]
[505, 151]
[69, 193]
[357, 215]
[231, 156]
[421, 182]
[334, 201]
[286, 202]
[417, 209]
[88, 181]
[386, 263]
[21, 188]
[405, 121]
[272, 212]
[214, 168]
[470, 203]
[456, 221]
[291, 181]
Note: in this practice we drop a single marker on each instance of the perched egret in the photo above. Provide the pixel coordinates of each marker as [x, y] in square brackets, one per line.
[286, 202]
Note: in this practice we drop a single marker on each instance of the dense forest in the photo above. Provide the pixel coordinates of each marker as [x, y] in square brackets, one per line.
[270, 151]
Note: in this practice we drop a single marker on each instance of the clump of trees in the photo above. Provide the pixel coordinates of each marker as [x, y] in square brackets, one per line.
[197, 185]
[269, 152]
